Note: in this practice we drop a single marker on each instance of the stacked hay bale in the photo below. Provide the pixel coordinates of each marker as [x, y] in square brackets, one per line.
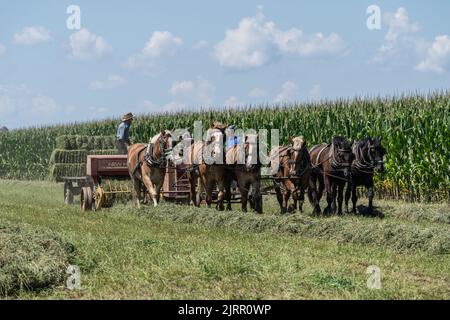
[69, 157]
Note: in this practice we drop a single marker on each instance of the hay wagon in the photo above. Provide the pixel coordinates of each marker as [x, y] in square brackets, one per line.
[107, 177]
[100, 182]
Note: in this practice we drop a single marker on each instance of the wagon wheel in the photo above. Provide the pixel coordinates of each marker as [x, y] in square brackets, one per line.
[100, 197]
[86, 199]
[68, 193]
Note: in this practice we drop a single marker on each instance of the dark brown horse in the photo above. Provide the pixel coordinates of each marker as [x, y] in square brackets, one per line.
[147, 165]
[291, 168]
[331, 169]
[368, 157]
[246, 172]
[206, 167]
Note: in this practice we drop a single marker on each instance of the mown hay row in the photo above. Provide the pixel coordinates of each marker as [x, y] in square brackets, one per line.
[402, 237]
[79, 142]
[31, 260]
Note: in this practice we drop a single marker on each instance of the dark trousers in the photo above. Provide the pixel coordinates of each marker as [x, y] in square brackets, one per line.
[122, 146]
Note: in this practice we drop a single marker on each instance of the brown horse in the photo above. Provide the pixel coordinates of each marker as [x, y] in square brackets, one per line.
[147, 165]
[246, 172]
[368, 157]
[206, 168]
[332, 169]
[291, 168]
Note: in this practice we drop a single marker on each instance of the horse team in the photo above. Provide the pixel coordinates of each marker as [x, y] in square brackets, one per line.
[295, 171]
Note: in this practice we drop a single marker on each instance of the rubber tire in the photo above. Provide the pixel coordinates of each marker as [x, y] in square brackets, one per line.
[86, 199]
[68, 193]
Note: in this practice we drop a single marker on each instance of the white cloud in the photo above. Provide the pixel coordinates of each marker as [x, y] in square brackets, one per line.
[19, 102]
[43, 104]
[29, 36]
[289, 92]
[148, 106]
[181, 87]
[399, 25]
[233, 102]
[294, 41]
[190, 94]
[2, 49]
[400, 38]
[438, 56]
[86, 45]
[161, 43]
[257, 93]
[314, 93]
[257, 42]
[113, 81]
[202, 44]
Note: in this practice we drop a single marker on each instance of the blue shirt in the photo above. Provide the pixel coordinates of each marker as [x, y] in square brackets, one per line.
[233, 141]
[123, 131]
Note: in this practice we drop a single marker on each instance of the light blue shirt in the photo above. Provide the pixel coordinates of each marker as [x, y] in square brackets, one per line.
[123, 131]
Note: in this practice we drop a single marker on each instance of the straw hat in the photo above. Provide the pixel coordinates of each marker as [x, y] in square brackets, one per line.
[127, 116]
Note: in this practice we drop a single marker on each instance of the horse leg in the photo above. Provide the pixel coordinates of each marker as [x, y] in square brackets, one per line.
[220, 195]
[322, 186]
[192, 188]
[293, 206]
[150, 188]
[370, 196]
[286, 196]
[257, 197]
[136, 191]
[354, 198]
[330, 196]
[301, 199]
[158, 187]
[348, 191]
[313, 196]
[340, 197]
[334, 186]
[243, 189]
[208, 191]
[279, 198]
[228, 192]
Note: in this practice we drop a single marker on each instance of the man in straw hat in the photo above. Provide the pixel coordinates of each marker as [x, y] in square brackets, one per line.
[123, 133]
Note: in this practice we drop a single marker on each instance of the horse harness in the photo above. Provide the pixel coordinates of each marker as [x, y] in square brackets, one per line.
[149, 159]
[335, 164]
[298, 175]
[361, 164]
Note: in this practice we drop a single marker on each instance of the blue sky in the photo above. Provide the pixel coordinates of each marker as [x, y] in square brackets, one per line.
[151, 57]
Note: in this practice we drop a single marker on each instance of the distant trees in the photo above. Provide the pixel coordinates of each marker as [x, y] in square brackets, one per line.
[4, 129]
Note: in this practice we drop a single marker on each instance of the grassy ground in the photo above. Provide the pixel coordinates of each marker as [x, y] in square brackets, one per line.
[128, 253]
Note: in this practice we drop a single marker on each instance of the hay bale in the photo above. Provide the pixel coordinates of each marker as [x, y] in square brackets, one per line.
[78, 142]
[30, 259]
[59, 170]
[68, 156]
[60, 156]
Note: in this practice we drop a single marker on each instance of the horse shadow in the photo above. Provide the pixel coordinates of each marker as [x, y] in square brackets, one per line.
[362, 210]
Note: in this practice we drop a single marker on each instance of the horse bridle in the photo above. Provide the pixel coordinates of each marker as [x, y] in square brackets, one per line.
[293, 161]
[361, 163]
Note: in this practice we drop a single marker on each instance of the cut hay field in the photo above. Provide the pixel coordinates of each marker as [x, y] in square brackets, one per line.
[178, 252]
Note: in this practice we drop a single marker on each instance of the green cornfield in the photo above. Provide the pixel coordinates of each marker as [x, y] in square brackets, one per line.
[415, 130]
